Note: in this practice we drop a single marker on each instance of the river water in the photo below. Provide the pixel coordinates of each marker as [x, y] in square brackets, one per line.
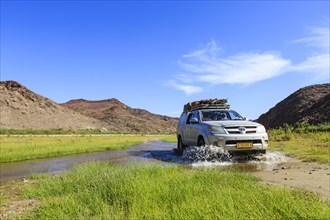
[156, 152]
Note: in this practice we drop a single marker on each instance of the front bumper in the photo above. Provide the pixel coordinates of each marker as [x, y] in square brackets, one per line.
[235, 143]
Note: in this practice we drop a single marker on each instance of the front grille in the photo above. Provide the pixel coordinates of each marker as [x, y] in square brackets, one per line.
[233, 132]
[241, 141]
[235, 129]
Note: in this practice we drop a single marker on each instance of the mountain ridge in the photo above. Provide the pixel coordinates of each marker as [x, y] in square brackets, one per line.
[310, 104]
[126, 118]
[21, 108]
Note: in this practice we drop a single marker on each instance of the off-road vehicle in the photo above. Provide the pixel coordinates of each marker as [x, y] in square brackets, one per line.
[212, 122]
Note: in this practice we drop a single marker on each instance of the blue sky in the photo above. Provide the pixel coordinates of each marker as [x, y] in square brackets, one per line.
[159, 55]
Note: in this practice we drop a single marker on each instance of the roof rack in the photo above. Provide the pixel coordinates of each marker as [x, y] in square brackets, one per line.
[206, 104]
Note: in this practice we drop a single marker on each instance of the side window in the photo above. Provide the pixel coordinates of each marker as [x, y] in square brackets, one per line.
[196, 115]
[189, 117]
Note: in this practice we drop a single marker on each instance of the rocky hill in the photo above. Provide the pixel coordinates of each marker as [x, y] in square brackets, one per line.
[125, 118]
[23, 109]
[310, 104]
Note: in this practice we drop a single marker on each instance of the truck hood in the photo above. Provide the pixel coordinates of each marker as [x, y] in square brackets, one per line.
[231, 123]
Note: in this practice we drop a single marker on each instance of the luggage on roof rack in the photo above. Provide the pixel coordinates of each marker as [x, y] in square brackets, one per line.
[206, 104]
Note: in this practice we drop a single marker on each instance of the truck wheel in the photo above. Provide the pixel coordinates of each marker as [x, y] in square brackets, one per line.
[200, 142]
[181, 146]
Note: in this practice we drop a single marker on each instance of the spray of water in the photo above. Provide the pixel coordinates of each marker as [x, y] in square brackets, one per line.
[206, 154]
[270, 159]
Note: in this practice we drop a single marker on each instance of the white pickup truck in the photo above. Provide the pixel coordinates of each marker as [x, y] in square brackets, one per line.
[212, 122]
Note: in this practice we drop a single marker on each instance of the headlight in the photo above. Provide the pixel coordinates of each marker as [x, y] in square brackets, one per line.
[216, 130]
[261, 129]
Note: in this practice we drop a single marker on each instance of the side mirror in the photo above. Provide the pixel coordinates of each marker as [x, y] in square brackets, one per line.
[193, 120]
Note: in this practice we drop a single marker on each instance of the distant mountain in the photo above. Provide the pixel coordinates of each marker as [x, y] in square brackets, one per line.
[310, 104]
[23, 109]
[125, 118]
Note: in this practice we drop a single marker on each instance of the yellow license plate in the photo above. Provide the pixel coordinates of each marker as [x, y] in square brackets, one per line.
[245, 145]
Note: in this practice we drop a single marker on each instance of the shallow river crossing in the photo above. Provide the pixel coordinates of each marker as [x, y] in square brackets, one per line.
[157, 152]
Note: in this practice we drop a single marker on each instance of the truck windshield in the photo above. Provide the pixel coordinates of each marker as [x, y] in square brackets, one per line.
[218, 115]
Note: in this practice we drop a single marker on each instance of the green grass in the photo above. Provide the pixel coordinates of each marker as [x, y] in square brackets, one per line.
[17, 148]
[309, 144]
[169, 138]
[305, 128]
[103, 191]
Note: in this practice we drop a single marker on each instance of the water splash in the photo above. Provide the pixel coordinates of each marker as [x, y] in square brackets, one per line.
[206, 154]
[275, 157]
[270, 159]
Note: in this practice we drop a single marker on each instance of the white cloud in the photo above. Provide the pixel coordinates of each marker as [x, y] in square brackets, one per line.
[317, 66]
[188, 89]
[242, 68]
[207, 65]
[318, 37]
[207, 53]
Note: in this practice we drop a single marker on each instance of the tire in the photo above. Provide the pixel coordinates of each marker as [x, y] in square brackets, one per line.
[200, 142]
[181, 146]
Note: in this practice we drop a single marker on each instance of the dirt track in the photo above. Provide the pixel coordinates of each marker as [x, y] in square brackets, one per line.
[297, 174]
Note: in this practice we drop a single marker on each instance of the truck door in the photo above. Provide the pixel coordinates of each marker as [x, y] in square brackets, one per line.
[195, 128]
[186, 130]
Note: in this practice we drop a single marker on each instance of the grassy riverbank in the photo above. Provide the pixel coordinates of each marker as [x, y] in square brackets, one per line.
[103, 191]
[310, 143]
[17, 148]
[306, 142]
